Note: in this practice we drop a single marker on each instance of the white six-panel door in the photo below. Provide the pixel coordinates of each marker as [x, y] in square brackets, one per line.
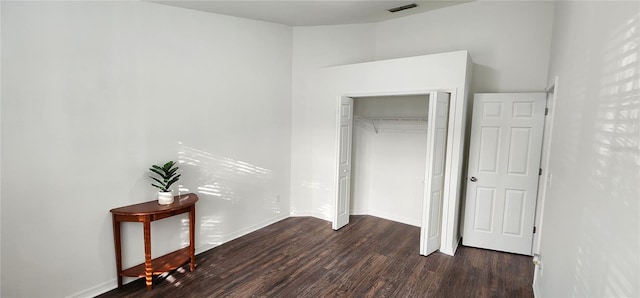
[504, 159]
[435, 170]
[341, 215]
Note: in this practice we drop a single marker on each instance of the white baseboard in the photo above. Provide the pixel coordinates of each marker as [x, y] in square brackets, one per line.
[534, 285]
[359, 212]
[312, 213]
[237, 234]
[301, 213]
[393, 217]
[536, 290]
[455, 247]
[451, 251]
[113, 283]
[96, 290]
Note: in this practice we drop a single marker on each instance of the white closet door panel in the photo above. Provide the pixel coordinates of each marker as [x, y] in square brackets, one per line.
[341, 214]
[434, 177]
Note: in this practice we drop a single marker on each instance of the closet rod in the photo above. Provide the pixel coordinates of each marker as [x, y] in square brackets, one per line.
[403, 124]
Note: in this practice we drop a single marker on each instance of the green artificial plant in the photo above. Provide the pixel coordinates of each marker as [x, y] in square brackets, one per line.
[168, 175]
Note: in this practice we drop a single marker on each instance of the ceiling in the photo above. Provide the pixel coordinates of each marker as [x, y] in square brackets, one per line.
[310, 12]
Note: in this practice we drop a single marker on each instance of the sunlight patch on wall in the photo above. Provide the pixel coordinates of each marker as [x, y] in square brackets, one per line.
[616, 168]
[232, 193]
[217, 175]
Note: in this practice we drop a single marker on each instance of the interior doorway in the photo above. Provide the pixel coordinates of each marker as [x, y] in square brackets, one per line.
[504, 159]
[391, 160]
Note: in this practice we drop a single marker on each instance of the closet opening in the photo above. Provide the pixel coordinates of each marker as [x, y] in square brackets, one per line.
[388, 157]
[391, 161]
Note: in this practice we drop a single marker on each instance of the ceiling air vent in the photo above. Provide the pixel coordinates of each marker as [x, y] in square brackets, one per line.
[404, 7]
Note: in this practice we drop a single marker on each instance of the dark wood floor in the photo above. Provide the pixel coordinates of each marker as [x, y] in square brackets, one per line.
[370, 257]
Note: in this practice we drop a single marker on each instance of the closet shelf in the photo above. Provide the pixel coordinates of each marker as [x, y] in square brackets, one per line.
[394, 124]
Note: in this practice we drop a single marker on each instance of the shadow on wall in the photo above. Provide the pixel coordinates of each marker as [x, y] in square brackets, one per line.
[232, 194]
[612, 144]
[484, 79]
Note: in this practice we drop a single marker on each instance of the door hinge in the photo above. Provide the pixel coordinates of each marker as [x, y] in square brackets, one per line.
[540, 172]
[546, 111]
[534, 230]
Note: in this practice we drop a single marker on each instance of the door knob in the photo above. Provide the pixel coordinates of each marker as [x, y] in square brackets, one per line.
[473, 179]
[344, 171]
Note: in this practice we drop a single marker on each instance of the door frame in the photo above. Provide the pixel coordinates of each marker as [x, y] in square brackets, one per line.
[447, 229]
[545, 179]
[474, 238]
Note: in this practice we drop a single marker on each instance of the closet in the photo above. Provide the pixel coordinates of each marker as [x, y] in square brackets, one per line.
[321, 158]
[385, 173]
[388, 161]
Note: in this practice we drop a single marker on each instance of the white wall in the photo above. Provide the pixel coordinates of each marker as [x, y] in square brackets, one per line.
[590, 239]
[389, 167]
[0, 154]
[93, 93]
[360, 170]
[314, 48]
[388, 179]
[412, 106]
[508, 41]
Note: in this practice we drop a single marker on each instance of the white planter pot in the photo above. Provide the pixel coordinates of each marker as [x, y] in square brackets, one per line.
[165, 198]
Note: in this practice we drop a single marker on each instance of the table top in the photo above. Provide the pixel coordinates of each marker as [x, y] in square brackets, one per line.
[152, 207]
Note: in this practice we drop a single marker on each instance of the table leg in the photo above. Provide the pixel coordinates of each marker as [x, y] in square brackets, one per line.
[118, 248]
[192, 235]
[148, 271]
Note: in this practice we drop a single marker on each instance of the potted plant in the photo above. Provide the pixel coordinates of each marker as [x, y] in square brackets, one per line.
[168, 176]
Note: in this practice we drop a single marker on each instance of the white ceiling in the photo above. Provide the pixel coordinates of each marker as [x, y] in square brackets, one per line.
[310, 12]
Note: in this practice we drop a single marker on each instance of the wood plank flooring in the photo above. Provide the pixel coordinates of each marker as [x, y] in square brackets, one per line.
[370, 257]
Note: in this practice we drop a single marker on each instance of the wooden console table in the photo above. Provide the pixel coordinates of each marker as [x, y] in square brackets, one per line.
[146, 213]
